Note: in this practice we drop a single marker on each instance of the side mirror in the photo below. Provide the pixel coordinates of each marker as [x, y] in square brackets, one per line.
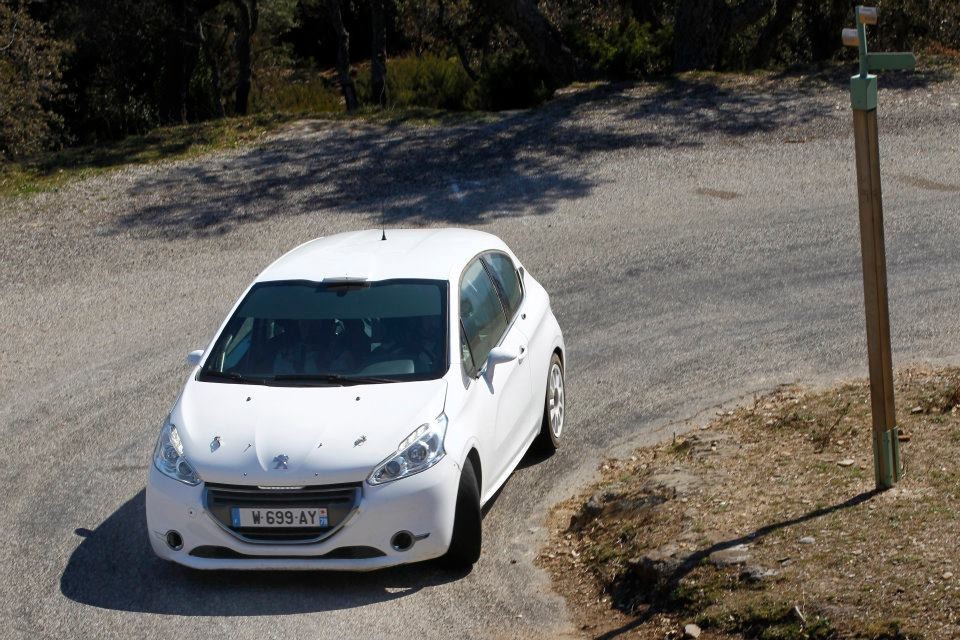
[499, 355]
[194, 357]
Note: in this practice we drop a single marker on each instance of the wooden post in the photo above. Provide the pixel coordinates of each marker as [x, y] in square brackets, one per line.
[886, 443]
[887, 465]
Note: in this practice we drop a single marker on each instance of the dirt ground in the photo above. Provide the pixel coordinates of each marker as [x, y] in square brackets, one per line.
[764, 523]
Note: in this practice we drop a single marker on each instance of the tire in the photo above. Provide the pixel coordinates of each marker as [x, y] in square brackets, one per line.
[554, 408]
[465, 543]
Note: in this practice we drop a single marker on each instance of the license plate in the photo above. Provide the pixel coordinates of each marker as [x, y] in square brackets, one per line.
[313, 517]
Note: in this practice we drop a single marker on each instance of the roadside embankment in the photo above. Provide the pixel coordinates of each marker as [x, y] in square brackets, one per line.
[764, 523]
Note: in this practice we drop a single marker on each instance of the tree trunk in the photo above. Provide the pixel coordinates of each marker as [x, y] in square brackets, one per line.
[175, 93]
[770, 35]
[822, 22]
[541, 38]
[702, 29]
[454, 37]
[343, 55]
[378, 52]
[465, 60]
[695, 34]
[214, 73]
[247, 17]
[645, 11]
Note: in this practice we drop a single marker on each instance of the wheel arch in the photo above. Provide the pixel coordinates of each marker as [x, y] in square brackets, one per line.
[473, 458]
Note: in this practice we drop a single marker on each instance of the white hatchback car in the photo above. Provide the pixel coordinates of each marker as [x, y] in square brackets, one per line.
[364, 398]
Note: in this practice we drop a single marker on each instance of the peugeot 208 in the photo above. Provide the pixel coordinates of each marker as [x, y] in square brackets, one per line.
[367, 394]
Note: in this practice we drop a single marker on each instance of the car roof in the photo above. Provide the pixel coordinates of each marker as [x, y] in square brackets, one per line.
[434, 254]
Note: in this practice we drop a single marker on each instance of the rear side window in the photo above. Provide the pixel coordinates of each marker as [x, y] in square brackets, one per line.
[481, 313]
[505, 273]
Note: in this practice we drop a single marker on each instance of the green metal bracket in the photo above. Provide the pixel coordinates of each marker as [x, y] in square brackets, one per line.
[863, 93]
[863, 86]
[891, 61]
[887, 463]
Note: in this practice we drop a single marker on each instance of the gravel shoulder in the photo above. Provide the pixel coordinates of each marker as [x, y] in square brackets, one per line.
[699, 242]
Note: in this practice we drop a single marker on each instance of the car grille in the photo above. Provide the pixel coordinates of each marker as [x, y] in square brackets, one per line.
[340, 500]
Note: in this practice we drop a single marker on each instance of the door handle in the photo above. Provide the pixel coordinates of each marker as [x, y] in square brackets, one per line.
[523, 353]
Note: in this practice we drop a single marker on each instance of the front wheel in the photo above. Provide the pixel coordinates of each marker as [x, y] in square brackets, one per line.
[554, 408]
[465, 543]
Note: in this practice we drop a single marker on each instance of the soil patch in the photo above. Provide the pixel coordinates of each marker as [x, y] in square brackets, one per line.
[765, 524]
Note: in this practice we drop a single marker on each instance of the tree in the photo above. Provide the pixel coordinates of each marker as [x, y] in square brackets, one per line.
[378, 52]
[821, 22]
[343, 55]
[772, 31]
[212, 41]
[541, 38]
[703, 28]
[184, 51]
[29, 81]
[247, 18]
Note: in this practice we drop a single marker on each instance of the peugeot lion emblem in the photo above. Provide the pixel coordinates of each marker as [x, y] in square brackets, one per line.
[281, 461]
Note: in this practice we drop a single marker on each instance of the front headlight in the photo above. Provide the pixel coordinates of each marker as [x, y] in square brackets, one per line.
[168, 457]
[419, 451]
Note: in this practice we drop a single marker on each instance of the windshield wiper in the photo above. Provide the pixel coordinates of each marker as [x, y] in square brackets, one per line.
[331, 378]
[229, 375]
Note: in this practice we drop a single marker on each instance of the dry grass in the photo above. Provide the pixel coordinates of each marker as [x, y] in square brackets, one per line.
[634, 555]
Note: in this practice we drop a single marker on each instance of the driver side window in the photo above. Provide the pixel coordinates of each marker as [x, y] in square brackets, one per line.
[481, 315]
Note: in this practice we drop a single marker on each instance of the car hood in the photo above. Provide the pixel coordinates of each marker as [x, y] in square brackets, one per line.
[290, 436]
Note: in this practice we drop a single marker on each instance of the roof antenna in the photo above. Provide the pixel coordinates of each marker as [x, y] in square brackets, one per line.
[384, 236]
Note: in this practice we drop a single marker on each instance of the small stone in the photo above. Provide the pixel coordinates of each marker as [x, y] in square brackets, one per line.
[807, 540]
[903, 437]
[947, 575]
[738, 554]
[846, 462]
[916, 410]
[691, 631]
[753, 573]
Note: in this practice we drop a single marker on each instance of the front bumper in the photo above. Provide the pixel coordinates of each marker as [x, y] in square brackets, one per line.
[423, 504]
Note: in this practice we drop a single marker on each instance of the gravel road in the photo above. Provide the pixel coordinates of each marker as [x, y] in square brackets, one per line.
[700, 242]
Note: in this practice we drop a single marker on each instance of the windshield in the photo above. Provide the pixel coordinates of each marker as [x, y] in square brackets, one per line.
[298, 332]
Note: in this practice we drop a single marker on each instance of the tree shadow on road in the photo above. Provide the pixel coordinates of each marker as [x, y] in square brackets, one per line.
[114, 568]
[742, 106]
[707, 106]
[471, 171]
[405, 174]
